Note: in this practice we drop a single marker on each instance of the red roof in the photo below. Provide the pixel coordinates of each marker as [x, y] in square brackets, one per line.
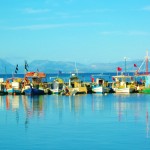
[36, 74]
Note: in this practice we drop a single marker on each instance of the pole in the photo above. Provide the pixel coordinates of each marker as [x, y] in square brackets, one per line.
[125, 59]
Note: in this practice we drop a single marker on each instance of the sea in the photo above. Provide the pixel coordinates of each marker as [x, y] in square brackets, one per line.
[80, 122]
[85, 77]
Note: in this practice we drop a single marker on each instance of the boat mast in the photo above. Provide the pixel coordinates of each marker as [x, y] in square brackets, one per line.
[76, 70]
[125, 62]
[147, 63]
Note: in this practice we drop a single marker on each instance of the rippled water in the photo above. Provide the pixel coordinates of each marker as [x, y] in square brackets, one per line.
[86, 122]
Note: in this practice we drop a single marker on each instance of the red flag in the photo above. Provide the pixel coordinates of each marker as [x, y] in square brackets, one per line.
[92, 79]
[135, 65]
[119, 69]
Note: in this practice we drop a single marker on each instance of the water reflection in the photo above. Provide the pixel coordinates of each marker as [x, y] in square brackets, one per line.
[112, 107]
[37, 105]
[7, 102]
[97, 102]
[147, 124]
[15, 103]
[1, 102]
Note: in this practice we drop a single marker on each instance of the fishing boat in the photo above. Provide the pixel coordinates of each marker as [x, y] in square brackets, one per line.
[2, 87]
[143, 77]
[76, 86]
[123, 84]
[57, 86]
[13, 85]
[101, 86]
[35, 86]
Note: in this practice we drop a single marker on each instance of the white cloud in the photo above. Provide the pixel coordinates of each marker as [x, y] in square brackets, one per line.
[48, 26]
[129, 33]
[97, 10]
[35, 11]
[66, 15]
[146, 8]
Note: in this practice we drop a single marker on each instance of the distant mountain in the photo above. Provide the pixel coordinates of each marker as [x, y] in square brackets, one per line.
[48, 66]
[5, 67]
[55, 66]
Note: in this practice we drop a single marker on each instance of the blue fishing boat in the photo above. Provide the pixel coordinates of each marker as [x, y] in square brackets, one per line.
[34, 87]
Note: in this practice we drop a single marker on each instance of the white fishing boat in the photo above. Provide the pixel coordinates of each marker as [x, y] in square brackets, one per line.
[101, 86]
[57, 86]
[123, 84]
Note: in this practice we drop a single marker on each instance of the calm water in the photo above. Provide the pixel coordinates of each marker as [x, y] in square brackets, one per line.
[84, 122]
[86, 77]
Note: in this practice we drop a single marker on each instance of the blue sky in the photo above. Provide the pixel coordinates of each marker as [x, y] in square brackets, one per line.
[84, 31]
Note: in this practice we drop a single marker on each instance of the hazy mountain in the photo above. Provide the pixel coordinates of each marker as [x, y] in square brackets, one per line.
[5, 67]
[48, 66]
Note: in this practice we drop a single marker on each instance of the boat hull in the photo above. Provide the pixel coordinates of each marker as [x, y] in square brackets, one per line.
[146, 91]
[3, 93]
[98, 89]
[55, 91]
[33, 91]
[123, 90]
[13, 91]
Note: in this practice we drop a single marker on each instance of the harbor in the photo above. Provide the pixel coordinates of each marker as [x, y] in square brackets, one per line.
[76, 110]
[98, 83]
[74, 75]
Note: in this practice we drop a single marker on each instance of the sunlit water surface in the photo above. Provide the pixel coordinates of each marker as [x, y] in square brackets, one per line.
[82, 122]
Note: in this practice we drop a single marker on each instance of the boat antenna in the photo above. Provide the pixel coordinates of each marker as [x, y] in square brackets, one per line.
[125, 63]
[5, 72]
[25, 67]
[76, 70]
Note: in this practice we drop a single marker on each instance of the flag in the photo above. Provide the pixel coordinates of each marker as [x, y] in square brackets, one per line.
[16, 70]
[17, 67]
[26, 66]
[92, 79]
[135, 65]
[119, 69]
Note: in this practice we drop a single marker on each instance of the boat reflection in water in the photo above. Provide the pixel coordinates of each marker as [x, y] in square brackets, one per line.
[93, 117]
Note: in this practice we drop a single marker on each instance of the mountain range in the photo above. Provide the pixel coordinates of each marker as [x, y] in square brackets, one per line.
[48, 66]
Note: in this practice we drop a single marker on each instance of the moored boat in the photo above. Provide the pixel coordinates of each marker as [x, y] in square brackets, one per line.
[13, 85]
[123, 84]
[35, 86]
[57, 86]
[76, 86]
[101, 86]
[2, 87]
[143, 78]
[33, 91]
